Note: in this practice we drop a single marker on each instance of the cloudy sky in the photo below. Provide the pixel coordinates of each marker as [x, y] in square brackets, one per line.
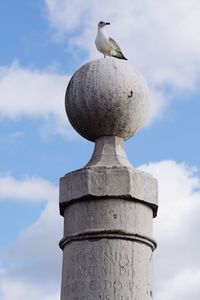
[42, 43]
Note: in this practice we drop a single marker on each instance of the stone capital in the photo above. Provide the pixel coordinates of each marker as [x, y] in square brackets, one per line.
[114, 182]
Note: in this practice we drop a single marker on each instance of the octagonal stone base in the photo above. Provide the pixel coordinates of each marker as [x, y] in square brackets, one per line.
[114, 182]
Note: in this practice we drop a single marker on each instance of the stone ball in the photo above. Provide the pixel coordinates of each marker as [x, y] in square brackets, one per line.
[107, 97]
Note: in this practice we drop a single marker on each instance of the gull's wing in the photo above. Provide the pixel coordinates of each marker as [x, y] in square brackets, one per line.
[114, 44]
[116, 49]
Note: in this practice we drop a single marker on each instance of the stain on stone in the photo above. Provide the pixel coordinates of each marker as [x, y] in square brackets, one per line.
[131, 94]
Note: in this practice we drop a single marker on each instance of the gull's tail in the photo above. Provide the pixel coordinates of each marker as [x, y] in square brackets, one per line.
[120, 55]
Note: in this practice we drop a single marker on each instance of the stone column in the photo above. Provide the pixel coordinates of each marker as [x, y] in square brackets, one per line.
[108, 205]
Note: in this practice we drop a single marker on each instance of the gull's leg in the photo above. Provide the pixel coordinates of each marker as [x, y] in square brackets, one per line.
[104, 56]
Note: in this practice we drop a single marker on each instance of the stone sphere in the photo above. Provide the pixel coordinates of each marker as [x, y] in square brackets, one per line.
[107, 97]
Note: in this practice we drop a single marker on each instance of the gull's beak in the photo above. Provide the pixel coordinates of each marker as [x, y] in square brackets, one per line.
[107, 23]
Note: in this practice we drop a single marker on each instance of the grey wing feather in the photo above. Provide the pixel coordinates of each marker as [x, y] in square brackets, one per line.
[118, 53]
[117, 48]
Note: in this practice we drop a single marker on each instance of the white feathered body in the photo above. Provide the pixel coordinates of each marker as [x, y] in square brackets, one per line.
[107, 45]
[102, 42]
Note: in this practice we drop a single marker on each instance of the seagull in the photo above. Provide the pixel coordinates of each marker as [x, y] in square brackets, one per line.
[106, 44]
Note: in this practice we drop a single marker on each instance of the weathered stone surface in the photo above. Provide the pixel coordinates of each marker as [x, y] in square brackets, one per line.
[107, 250]
[122, 182]
[107, 97]
[109, 152]
[118, 216]
[106, 269]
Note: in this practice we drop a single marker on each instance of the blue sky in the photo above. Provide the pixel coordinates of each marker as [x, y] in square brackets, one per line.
[42, 44]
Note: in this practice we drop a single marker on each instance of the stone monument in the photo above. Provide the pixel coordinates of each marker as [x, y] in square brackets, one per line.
[108, 206]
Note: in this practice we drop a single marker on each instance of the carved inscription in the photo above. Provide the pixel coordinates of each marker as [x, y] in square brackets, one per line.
[102, 297]
[99, 271]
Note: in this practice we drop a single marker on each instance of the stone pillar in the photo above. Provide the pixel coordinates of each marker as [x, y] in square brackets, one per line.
[108, 205]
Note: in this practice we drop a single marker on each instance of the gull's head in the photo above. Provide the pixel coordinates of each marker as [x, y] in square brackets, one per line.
[102, 24]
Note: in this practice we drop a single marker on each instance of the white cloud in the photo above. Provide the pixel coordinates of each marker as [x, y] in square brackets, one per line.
[35, 259]
[184, 285]
[28, 189]
[35, 94]
[65, 15]
[177, 257]
[30, 92]
[13, 289]
[160, 38]
[181, 181]
[40, 94]
[159, 102]
[35, 255]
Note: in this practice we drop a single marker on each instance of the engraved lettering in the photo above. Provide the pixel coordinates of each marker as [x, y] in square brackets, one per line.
[130, 286]
[108, 257]
[94, 285]
[116, 255]
[106, 269]
[123, 270]
[89, 270]
[82, 298]
[93, 259]
[117, 285]
[77, 286]
[100, 269]
[107, 284]
[108, 297]
[104, 297]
